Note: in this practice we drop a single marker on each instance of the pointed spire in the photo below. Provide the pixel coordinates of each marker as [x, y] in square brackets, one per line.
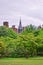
[20, 26]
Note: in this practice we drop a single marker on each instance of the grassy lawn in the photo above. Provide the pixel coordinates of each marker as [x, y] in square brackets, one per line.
[22, 61]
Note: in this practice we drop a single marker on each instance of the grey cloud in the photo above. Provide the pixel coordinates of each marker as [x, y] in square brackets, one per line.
[11, 10]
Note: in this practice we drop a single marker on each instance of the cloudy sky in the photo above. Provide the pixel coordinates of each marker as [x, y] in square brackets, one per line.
[30, 12]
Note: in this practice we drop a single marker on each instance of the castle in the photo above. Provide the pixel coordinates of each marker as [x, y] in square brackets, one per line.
[18, 30]
[20, 27]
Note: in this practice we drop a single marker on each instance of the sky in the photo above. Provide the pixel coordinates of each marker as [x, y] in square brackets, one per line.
[30, 12]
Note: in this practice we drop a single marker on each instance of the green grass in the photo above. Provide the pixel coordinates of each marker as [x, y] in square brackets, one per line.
[22, 61]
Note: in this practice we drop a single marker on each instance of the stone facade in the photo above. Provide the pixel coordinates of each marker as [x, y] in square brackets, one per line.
[20, 28]
[14, 28]
[6, 24]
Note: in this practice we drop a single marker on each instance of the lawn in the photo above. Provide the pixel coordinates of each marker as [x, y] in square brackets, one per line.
[22, 61]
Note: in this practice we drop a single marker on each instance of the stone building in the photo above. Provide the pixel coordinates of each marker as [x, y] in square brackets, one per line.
[39, 27]
[6, 24]
[20, 28]
[14, 28]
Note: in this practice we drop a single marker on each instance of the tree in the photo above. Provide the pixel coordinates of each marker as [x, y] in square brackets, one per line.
[2, 49]
[7, 32]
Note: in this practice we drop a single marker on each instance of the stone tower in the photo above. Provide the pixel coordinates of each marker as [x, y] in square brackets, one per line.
[14, 28]
[20, 28]
[6, 24]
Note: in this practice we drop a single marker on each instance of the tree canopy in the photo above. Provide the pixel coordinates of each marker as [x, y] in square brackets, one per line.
[26, 44]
